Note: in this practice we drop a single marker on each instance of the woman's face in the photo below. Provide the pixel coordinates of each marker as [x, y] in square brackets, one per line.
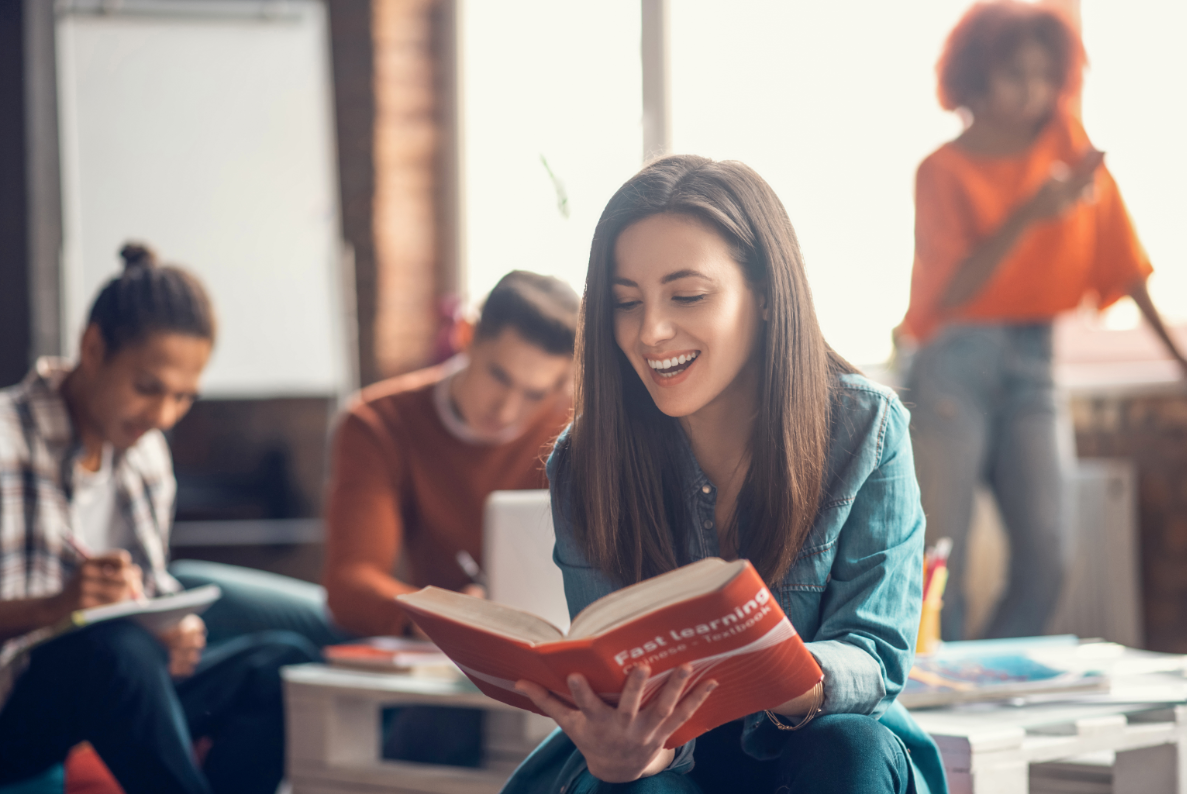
[1023, 89]
[684, 314]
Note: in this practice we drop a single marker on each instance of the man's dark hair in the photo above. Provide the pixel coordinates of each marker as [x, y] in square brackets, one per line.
[149, 297]
[542, 309]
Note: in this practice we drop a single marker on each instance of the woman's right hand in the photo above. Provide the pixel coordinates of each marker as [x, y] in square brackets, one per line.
[107, 578]
[1065, 188]
[622, 743]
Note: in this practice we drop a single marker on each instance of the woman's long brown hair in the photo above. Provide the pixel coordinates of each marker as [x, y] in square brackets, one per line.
[626, 490]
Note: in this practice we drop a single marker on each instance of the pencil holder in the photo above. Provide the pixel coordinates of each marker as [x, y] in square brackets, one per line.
[929, 627]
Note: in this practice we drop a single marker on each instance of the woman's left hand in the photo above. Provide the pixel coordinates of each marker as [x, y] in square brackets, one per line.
[185, 642]
[622, 743]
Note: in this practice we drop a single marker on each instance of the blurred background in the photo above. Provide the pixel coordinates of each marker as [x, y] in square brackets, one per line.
[349, 177]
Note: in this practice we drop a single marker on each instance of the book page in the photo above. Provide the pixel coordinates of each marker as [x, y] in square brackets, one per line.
[488, 615]
[623, 606]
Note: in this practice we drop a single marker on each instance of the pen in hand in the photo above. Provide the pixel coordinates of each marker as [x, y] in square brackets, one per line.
[78, 548]
[108, 564]
[468, 564]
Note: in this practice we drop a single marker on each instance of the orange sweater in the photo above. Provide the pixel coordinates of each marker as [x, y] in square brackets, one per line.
[404, 489]
[960, 199]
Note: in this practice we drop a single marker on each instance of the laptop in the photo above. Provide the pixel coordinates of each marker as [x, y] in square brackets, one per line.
[517, 543]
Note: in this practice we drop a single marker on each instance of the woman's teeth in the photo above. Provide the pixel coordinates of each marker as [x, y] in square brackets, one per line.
[667, 367]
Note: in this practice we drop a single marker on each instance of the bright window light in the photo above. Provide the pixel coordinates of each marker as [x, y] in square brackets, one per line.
[834, 105]
[1133, 110]
[545, 82]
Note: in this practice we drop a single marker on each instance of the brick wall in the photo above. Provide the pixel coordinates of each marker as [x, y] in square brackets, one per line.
[391, 120]
[1151, 430]
[392, 85]
[407, 139]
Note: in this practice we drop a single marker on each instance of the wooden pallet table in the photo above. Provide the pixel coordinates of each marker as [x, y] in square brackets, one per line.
[1140, 729]
[333, 723]
[991, 749]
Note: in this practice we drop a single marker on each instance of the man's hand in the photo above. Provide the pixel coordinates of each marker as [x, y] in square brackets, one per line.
[106, 578]
[622, 743]
[185, 642]
[475, 590]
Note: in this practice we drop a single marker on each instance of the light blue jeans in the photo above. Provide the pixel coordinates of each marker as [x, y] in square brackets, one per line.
[984, 409]
[255, 600]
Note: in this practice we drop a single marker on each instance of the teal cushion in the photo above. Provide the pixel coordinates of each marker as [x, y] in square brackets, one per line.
[51, 781]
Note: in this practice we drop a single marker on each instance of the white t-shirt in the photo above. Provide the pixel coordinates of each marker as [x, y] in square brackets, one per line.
[97, 522]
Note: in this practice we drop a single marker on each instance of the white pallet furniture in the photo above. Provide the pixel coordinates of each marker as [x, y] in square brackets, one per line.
[333, 725]
[990, 749]
[1140, 729]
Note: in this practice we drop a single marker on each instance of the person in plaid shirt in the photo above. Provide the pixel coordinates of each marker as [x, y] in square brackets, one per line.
[86, 503]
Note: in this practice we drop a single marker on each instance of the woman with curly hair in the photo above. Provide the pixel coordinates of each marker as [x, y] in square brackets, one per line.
[1017, 220]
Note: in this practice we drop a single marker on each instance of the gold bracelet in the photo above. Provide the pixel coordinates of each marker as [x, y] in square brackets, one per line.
[813, 710]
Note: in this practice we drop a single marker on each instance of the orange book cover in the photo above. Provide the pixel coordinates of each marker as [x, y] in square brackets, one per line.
[736, 634]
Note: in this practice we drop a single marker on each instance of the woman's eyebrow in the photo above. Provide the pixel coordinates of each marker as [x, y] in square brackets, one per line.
[676, 276]
[679, 274]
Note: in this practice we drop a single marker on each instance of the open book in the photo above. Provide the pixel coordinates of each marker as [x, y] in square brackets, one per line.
[715, 615]
[1019, 667]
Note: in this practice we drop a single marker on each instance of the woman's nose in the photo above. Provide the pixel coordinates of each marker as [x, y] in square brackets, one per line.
[657, 328]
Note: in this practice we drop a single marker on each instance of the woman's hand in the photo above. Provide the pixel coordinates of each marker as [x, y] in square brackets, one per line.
[185, 642]
[624, 743]
[1065, 188]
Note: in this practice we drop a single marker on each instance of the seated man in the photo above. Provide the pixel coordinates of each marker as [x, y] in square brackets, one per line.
[86, 500]
[415, 458]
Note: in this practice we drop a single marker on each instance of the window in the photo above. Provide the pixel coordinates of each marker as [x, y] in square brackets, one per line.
[545, 82]
[1133, 111]
[834, 105]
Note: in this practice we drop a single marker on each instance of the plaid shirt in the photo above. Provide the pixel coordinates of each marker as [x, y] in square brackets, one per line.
[38, 451]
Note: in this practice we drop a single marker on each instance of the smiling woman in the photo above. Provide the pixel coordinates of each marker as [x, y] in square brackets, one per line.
[698, 263]
[713, 420]
[682, 303]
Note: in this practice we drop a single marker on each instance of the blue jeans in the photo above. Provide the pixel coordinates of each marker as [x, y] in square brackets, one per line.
[983, 409]
[255, 601]
[835, 753]
[259, 601]
[109, 684]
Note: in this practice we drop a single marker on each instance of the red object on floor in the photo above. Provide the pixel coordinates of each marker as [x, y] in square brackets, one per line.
[87, 774]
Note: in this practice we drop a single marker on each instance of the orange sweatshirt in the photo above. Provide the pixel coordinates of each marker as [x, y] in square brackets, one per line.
[404, 486]
[960, 199]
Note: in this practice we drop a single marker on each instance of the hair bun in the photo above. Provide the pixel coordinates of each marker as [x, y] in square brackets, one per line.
[138, 255]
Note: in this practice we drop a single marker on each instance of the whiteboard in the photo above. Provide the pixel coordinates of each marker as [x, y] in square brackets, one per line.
[206, 130]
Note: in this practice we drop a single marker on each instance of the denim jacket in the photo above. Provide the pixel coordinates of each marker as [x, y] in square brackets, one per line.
[855, 589]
